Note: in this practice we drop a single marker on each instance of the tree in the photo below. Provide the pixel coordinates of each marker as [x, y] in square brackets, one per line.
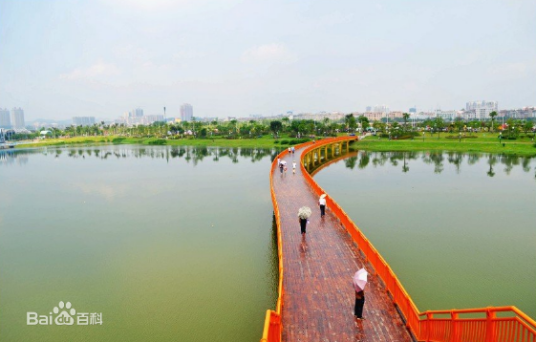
[275, 126]
[350, 121]
[439, 124]
[492, 116]
[363, 121]
[405, 116]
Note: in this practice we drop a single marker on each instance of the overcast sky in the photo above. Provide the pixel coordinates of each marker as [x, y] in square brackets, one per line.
[101, 58]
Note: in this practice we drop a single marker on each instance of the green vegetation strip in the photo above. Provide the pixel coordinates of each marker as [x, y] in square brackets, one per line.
[481, 144]
[263, 142]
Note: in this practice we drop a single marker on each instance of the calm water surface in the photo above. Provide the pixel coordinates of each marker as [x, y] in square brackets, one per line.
[169, 244]
[459, 230]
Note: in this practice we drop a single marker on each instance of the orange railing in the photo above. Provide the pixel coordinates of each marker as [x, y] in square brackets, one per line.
[515, 327]
[469, 325]
[272, 323]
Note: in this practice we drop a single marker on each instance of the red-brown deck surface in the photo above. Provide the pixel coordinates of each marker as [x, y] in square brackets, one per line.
[318, 298]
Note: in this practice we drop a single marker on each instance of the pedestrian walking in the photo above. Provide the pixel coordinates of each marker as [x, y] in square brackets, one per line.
[281, 166]
[278, 162]
[359, 304]
[293, 167]
[293, 150]
[322, 204]
[289, 150]
[303, 215]
[359, 280]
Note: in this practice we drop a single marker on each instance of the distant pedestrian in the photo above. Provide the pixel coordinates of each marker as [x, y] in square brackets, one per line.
[293, 167]
[281, 166]
[293, 150]
[322, 204]
[289, 150]
[278, 162]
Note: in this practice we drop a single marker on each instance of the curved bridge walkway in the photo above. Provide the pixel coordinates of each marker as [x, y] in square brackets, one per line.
[318, 295]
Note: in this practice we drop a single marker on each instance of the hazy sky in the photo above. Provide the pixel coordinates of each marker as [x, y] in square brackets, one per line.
[100, 58]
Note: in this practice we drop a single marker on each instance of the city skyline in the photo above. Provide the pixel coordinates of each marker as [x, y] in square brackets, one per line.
[239, 58]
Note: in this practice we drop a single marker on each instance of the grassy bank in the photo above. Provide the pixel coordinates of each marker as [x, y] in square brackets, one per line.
[486, 143]
[263, 142]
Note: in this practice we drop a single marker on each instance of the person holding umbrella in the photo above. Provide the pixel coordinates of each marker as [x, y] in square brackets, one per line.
[359, 281]
[322, 203]
[303, 215]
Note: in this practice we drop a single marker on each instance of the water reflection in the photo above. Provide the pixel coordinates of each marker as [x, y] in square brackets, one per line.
[438, 160]
[189, 154]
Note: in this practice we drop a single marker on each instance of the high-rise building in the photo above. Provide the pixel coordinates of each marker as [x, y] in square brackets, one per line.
[368, 109]
[481, 109]
[136, 113]
[381, 109]
[187, 112]
[5, 120]
[17, 118]
[413, 110]
[84, 120]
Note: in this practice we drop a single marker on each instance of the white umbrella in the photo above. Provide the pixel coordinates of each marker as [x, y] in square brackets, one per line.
[360, 279]
[323, 196]
[284, 162]
[304, 212]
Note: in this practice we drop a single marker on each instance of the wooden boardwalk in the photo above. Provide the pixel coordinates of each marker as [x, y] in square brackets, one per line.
[318, 296]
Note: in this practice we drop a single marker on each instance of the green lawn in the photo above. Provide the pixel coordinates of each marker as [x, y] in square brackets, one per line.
[264, 142]
[485, 142]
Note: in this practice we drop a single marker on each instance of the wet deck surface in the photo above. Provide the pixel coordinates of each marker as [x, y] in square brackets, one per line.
[318, 296]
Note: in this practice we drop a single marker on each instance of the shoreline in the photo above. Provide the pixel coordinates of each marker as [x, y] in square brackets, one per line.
[482, 144]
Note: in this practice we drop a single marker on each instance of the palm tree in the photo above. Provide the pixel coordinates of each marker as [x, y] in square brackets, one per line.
[492, 116]
[405, 116]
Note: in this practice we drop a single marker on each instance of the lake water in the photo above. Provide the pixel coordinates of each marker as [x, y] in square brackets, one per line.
[177, 244]
[169, 244]
[459, 230]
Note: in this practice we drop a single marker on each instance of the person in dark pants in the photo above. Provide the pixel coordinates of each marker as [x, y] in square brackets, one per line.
[322, 203]
[359, 303]
[303, 224]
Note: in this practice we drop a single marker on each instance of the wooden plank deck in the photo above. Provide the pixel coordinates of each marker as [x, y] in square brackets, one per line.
[318, 295]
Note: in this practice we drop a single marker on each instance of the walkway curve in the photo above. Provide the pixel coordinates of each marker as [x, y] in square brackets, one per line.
[315, 293]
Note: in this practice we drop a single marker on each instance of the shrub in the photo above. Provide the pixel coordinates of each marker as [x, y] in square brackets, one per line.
[284, 142]
[117, 140]
[463, 137]
[156, 142]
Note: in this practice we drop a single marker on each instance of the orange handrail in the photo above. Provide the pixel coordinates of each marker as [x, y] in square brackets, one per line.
[272, 322]
[516, 326]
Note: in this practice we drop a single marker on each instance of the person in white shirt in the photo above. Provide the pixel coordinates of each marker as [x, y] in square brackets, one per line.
[322, 203]
[293, 167]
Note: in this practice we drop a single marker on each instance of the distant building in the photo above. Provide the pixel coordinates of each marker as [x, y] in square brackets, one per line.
[5, 120]
[480, 109]
[2, 137]
[413, 110]
[149, 119]
[84, 120]
[136, 113]
[187, 112]
[446, 115]
[373, 116]
[522, 113]
[381, 108]
[368, 109]
[17, 118]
